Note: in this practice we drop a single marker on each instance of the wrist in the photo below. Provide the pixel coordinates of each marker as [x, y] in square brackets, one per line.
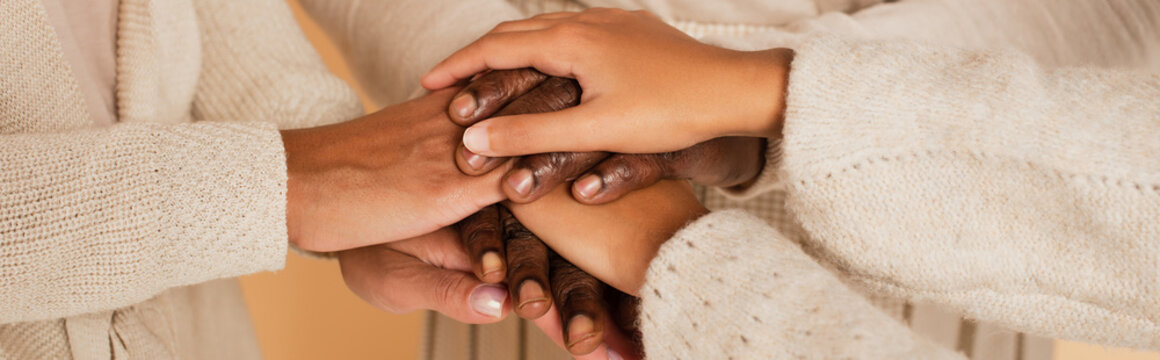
[293, 143]
[762, 98]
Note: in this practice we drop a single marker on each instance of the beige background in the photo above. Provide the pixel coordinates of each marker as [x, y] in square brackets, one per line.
[306, 312]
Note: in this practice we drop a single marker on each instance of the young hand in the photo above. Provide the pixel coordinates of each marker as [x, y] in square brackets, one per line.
[647, 87]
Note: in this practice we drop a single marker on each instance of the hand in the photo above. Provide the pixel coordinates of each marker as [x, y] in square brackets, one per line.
[580, 300]
[427, 272]
[603, 177]
[648, 88]
[383, 177]
[615, 242]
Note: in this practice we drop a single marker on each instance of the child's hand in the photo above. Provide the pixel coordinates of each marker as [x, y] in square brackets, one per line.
[647, 87]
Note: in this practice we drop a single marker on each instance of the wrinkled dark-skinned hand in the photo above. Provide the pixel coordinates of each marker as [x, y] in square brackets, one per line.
[599, 177]
[576, 310]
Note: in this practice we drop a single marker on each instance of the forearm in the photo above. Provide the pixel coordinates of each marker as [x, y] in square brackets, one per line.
[102, 219]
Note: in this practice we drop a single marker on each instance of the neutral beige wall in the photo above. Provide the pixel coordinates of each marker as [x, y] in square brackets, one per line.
[306, 312]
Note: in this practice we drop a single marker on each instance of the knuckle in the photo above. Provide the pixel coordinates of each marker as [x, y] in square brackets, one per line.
[447, 291]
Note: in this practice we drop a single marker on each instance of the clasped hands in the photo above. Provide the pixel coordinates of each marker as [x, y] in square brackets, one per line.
[415, 227]
[389, 176]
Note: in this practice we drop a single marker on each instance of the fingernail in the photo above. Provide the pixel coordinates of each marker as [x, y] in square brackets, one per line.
[464, 105]
[589, 186]
[579, 329]
[475, 161]
[491, 263]
[488, 300]
[475, 138]
[521, 181]
[531, 293]
[613, 355]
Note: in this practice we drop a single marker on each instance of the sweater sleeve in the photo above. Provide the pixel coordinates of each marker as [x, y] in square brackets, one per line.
[1022, 196]
[390, 44]
[729, 286]
[262, 68]
[1108, 34]
[100, 219]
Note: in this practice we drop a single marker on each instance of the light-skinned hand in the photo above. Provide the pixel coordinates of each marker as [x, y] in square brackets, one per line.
[647, 87]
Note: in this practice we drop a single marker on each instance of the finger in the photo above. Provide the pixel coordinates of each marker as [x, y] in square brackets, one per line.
[569, 130]
[621, 174]
[399, 283]
[501, 51]
[551, 326]
[580, 300]
[483, 241]
[528, 24]
[473, 164]
[723, 162]
[534, 176]
[549, 95]
[625, 310]
[556, 15]
[490, 92]
[527, 276]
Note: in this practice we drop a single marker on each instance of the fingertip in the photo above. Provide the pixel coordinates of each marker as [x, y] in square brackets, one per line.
[583, 335]
[588, 186]
[477, 139]
[533, 302]
[488, 300]
[492, 269]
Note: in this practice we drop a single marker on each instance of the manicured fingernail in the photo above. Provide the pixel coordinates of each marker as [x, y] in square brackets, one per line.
[579, 329]
[488, 300]
[589, 186]
[531, 294]
[475, 138]
[475, 161]
[491, 263]
[613, 355]
[521, 181]
[464, 105]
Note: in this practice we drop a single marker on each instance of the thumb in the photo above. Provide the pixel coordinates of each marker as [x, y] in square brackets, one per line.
[458, 295]
[400, 283]
[569, 130]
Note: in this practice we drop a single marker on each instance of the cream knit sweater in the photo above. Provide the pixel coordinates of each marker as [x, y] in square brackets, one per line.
[188, 188]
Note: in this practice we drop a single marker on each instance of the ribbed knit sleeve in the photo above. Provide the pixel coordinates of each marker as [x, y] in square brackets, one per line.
[729, 286]
[101, 219]
[1023, 196]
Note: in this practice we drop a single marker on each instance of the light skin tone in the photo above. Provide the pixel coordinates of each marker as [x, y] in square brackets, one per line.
[695, 92]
